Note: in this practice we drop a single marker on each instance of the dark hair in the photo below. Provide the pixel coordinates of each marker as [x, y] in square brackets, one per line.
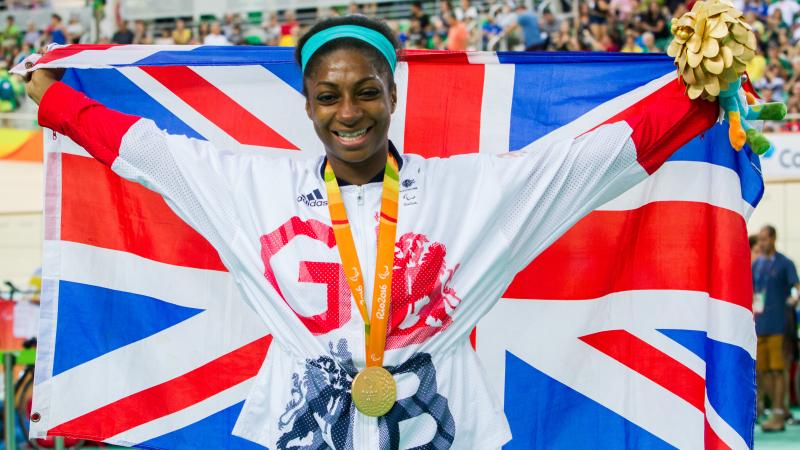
[771, 231]
[418, 4]
[377, 58]
[753, 240]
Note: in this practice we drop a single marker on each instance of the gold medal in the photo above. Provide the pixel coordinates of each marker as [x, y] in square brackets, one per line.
[374, 391]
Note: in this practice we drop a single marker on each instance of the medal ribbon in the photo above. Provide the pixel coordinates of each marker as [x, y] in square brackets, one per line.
[375, 329]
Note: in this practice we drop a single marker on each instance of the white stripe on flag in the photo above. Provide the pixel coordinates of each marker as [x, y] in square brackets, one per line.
[121, 271]
[723, 429]
[106, 58]
[551, 345]
[175, 105]
[498, 93]
[671, 348]
[184, 417]
[268, 98]
[119, 373]
[68, 146]
[561, 323]
[685, 181]
[397, 127]
[194, 119]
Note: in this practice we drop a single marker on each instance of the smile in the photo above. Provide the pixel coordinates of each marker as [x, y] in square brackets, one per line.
[351, 137]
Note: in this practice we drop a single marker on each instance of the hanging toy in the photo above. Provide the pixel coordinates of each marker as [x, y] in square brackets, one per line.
[712, 45]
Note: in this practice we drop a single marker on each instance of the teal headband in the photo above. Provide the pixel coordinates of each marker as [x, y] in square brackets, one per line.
[365, 34]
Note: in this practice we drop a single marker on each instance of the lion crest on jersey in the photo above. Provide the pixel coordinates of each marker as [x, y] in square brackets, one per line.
[321, 412]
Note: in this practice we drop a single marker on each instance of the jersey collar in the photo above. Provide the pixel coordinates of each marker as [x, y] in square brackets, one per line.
[377, 179]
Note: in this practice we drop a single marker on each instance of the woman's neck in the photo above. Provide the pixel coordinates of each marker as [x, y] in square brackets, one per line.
[361, 172]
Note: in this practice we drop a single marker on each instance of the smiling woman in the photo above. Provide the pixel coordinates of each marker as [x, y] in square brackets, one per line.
[348, 81]
[371, 291]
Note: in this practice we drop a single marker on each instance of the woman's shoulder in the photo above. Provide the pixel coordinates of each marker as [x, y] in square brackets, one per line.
[442, 165]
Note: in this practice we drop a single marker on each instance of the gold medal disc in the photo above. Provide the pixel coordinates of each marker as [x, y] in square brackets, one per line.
[374, 391]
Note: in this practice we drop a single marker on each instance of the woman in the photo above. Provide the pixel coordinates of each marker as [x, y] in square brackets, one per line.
[181, 35]
[418, 250]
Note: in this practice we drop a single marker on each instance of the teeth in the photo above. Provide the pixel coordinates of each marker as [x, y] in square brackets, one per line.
[352, 135]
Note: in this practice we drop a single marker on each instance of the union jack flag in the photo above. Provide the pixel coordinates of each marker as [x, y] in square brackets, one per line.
[633, 330]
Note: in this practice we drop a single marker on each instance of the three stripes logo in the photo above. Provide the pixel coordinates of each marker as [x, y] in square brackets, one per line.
[313, 198]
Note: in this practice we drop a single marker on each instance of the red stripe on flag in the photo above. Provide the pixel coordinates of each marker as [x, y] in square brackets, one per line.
[652, 363]
[74, 49]
[443, 107]
[712, 440]
[169, 397]
[101, 209]
[664, 121]
[663, 245]
[217, 106]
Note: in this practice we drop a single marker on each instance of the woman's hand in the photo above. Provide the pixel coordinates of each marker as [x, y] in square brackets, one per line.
[37, 83]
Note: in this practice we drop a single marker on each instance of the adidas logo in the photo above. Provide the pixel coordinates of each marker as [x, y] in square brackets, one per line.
[312, 199]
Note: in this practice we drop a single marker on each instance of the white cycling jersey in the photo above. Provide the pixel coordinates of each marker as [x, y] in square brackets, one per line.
[467, 224]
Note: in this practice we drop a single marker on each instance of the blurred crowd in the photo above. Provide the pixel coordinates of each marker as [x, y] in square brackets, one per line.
[637, 26]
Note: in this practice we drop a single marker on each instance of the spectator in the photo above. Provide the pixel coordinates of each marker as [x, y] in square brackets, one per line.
[215, 36]
[753, 20]
[56, 33]
[649, 43]
[418, 14]
[24, 51]
[630, 45]
[756, 67]
[165, 38]
[141, 35]
[272, 30]
[774, 276]
[457, 35]
[600, 40]
[444, 8]
[776, 57]
[788, 9]
[529, 24]
[416, 36]
[491, 33]
[123, 34]
[289, 29]
[506, 19]
[549, 25]
[32, 36]
[759, 7]
[75, 29]
[565, 40]
[202, 31]
[598, 16]
[622, 10]
[466, 12]
[236, 37]
[653, 20]
[772, 82]
[11, 34]
[181, 35]
[229, 23]
[755, 249]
